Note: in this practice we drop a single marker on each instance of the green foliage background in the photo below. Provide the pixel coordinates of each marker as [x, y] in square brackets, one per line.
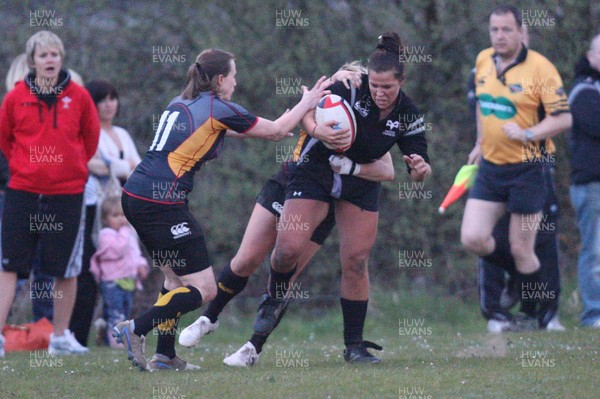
[116, 41]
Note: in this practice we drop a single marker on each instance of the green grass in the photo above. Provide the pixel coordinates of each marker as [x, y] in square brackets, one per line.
[443, 352]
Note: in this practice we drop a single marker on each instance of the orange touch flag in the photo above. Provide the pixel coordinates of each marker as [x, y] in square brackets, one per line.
[462, 182]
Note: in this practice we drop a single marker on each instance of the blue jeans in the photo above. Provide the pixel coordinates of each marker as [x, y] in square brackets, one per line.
[586, 200]
[117, 303]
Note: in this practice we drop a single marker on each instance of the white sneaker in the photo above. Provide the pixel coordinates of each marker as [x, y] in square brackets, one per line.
[499, 326]
[1, 345]
[244, 357]
[596, 324]
[66, 344]
[192, 334]
[554, 325]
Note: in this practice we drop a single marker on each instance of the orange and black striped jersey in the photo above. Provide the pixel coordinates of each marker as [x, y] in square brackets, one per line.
[189, 133]
[530, 85]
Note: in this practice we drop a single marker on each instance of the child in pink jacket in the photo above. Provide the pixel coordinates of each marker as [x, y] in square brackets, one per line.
[118, 264]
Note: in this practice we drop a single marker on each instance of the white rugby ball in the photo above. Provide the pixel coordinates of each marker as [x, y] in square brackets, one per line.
[334, 108]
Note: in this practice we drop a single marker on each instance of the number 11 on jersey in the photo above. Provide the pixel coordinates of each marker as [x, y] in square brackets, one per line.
[162, 135]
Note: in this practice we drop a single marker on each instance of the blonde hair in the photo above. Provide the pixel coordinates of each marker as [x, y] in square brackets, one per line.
[75, 77]
[43, 38]
[18, 71]
[109, 204]
[354, 66]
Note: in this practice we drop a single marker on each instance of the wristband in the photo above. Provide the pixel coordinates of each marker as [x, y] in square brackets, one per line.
[312, 134]
[355, 169]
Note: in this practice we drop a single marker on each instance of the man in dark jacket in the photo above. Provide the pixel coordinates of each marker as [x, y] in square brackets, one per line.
[585, 178]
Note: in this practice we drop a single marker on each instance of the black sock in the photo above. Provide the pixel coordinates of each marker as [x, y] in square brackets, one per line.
[500, 257]
[170, 306]
[229, 285]
[354, 313]
[529, 287]
[165, 342]
[280, 283]
[258, 340]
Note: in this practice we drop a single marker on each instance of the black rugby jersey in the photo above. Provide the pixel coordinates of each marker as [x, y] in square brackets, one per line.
[404, 127]
[189, 133]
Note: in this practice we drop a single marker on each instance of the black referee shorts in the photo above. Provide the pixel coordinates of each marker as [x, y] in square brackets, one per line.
[520, 186]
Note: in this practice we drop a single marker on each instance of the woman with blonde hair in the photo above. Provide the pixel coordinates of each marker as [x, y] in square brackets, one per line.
[47, 159]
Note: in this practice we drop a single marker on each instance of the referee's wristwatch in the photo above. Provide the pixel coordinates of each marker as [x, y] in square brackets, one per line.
[528, 135]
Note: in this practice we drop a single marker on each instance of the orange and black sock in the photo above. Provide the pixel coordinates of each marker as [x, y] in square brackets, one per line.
[170, 306]
[165, 343]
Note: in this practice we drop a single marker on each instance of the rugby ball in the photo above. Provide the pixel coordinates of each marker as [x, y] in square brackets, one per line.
[334, 108]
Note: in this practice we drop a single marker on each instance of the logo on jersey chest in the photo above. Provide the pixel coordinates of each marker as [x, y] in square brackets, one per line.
[500, 107]
[363, 106]
[392, 127]
[66, 101]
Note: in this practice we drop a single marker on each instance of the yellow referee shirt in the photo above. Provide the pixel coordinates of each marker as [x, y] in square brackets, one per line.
[520, 94]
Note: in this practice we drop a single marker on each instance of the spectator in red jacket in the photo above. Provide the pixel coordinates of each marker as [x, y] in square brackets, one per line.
[49, 129]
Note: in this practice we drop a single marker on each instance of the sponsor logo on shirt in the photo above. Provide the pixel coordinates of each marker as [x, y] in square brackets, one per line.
[500, 107]
[180, 230]
[391, 127]
[363, 106]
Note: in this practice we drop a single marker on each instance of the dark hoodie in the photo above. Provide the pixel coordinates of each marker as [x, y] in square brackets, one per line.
[584, 142]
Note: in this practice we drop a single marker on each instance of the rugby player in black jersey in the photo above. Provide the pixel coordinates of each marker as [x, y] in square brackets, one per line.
[380, 108]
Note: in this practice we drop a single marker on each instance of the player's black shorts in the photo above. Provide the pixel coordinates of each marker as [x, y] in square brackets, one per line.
[272, 197]
[170, 233]
[55, 222]
[360, 192]
[520, 186]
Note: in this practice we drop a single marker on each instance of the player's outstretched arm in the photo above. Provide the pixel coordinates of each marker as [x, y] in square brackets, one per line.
[280, 128]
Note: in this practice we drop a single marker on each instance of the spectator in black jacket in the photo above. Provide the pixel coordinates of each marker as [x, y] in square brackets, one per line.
[585, 178]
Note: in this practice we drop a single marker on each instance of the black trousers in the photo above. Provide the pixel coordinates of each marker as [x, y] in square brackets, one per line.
[87, 289]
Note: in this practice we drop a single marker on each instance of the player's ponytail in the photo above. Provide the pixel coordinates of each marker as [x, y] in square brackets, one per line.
[202, 73]
[387, 55]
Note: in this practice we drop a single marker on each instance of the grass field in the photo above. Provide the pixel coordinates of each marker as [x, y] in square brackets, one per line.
[428, 354]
